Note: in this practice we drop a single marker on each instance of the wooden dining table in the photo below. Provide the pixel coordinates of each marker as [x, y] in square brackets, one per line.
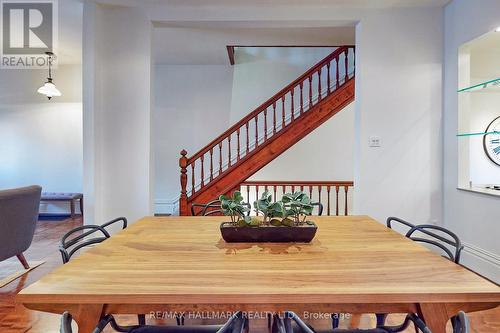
[354, 265]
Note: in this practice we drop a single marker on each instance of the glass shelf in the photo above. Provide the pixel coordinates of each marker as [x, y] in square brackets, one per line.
[477, 133]
[488, 85]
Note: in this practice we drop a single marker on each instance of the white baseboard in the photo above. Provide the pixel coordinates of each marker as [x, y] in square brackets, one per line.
[481, 261]
[167, 206]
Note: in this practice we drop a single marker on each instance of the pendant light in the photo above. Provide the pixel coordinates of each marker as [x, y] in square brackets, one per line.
[49, 89]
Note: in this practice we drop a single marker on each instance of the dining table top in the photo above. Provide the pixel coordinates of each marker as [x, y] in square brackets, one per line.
[184, 260]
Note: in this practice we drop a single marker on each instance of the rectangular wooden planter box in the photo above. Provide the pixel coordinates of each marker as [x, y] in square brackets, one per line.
[268, 234]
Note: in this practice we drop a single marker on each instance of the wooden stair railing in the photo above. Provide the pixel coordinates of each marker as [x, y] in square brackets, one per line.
[332, 194]
[266, 123]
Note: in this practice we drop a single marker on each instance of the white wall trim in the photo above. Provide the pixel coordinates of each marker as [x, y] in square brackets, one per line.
[167, 206]
[482, 261]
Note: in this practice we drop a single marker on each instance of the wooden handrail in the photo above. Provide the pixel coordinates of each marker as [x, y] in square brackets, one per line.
[268, 103]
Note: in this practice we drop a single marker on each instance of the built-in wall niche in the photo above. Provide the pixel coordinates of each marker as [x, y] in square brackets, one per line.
[479, 115]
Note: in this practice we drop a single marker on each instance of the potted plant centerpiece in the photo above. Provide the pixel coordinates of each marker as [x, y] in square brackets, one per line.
[280, 221]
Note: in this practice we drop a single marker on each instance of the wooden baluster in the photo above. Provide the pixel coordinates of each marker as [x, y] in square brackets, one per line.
[310, 92]
[337, 72]
[183, 204]
[238, 148]
[283, 112]
[302, 188]
[192, 178]
[283, 189]
[202, 174]
[248, 193]
[337, 200]
[292, 108]
[248, 140]
[328, 197]
[274, 118]
[293, 188]
[346, 188]
[346, 66]
[220, 158]
[265, 124]
[229, 150]
[211, 164]
[274, 190]
[320, 187]
[301, 97]
[256, 131]
[328, 79]
[256, 192]
[319, 84]
[310, 191]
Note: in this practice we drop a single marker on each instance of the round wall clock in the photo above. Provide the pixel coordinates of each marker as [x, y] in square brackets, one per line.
[491, 142]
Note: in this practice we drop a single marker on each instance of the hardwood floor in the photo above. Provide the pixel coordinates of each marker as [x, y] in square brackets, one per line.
[15, 318]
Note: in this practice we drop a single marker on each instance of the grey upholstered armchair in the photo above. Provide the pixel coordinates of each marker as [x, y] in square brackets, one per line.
[18, 217]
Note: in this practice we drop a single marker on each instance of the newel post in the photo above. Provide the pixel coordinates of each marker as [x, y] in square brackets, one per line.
[183, 204]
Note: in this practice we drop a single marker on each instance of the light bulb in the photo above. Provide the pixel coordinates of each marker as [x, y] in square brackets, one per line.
[49, 90]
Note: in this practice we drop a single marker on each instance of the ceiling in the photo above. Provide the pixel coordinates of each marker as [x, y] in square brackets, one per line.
[188, 42]
[206, 45]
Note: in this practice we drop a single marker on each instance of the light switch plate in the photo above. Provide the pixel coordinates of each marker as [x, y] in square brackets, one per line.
[374, 141]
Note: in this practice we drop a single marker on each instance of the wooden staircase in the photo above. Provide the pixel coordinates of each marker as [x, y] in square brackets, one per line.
[265, 133]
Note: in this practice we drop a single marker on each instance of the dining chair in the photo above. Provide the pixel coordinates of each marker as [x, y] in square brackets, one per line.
[436, 236]
[237, 323]
[291, 323]
[71, 243]
[442, 239]
[86, 235]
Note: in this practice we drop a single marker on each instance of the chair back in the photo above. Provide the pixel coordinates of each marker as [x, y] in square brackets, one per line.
[211, 208]
[320, 207]
[237, 323]
[79, 237]
[438, 237]
[18, 217]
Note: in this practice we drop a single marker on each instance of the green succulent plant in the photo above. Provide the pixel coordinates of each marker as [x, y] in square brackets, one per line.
[291, 210]
[270, 210]
[295, 206]
[235, 208]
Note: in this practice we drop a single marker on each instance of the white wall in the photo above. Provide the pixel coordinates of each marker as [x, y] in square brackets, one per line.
[192, 106]
[41, 139]
[473, 216]
[398, 97]
[118, 154]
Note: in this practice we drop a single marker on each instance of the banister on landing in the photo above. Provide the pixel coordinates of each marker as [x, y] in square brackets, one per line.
[262, 135]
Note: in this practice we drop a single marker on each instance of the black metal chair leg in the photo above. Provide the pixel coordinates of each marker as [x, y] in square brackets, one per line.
[141, 319]
[335, 320]
[381, 317]
[180, 320]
